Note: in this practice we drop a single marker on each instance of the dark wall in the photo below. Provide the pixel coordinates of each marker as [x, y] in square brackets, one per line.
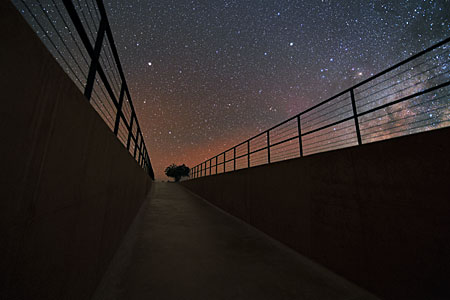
[378, 214]
[69, 189]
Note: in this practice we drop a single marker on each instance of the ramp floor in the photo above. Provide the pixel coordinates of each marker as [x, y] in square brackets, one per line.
[181, 247]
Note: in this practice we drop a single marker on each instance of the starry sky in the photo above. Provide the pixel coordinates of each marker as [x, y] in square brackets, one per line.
[206, 75]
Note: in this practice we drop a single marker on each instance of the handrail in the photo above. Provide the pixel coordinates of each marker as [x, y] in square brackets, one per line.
[102, 69]
[359, 135]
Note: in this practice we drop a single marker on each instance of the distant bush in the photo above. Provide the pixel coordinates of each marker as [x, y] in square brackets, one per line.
[177, 171]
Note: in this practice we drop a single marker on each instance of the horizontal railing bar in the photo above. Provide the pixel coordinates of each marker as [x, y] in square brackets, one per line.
[241, 156]
[324, 108]
[284, 141]
[329, 125]
[316, 136]
[329, 139]
[333, 146]
[324, 102]
[442, 85]
[256, 151]
[324, 121]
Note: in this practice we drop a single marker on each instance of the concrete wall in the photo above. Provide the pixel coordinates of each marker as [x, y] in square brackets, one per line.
[378, 214]
[69, 189]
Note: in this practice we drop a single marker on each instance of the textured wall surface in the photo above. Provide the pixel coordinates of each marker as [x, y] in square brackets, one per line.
[69, 188]
[378, 214]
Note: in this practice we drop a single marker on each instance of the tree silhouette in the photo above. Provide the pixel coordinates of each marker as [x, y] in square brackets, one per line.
[177, 171]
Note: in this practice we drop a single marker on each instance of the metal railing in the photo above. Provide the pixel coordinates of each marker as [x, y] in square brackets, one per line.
[409, 97]
[78, 34]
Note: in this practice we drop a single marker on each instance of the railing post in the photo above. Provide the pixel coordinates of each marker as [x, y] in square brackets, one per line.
[248, 154]
[216, 163]
[201, 170]
[140, 150]
[210, 166]
[234, 159]
[94, 52]
[268, 147]
[224, 162]
[130, 132]
[355, 116]
[139, 153]
[94, 61]
[139, 157]
[146, 159]
[119, 110]
[299, 128]
[136, 142]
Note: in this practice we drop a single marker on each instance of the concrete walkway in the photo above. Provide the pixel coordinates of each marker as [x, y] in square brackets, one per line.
[181, 247]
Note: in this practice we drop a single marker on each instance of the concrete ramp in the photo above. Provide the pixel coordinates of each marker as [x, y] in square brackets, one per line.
[184, 248]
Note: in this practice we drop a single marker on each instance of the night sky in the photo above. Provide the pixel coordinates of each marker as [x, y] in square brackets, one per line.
[206, 75]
